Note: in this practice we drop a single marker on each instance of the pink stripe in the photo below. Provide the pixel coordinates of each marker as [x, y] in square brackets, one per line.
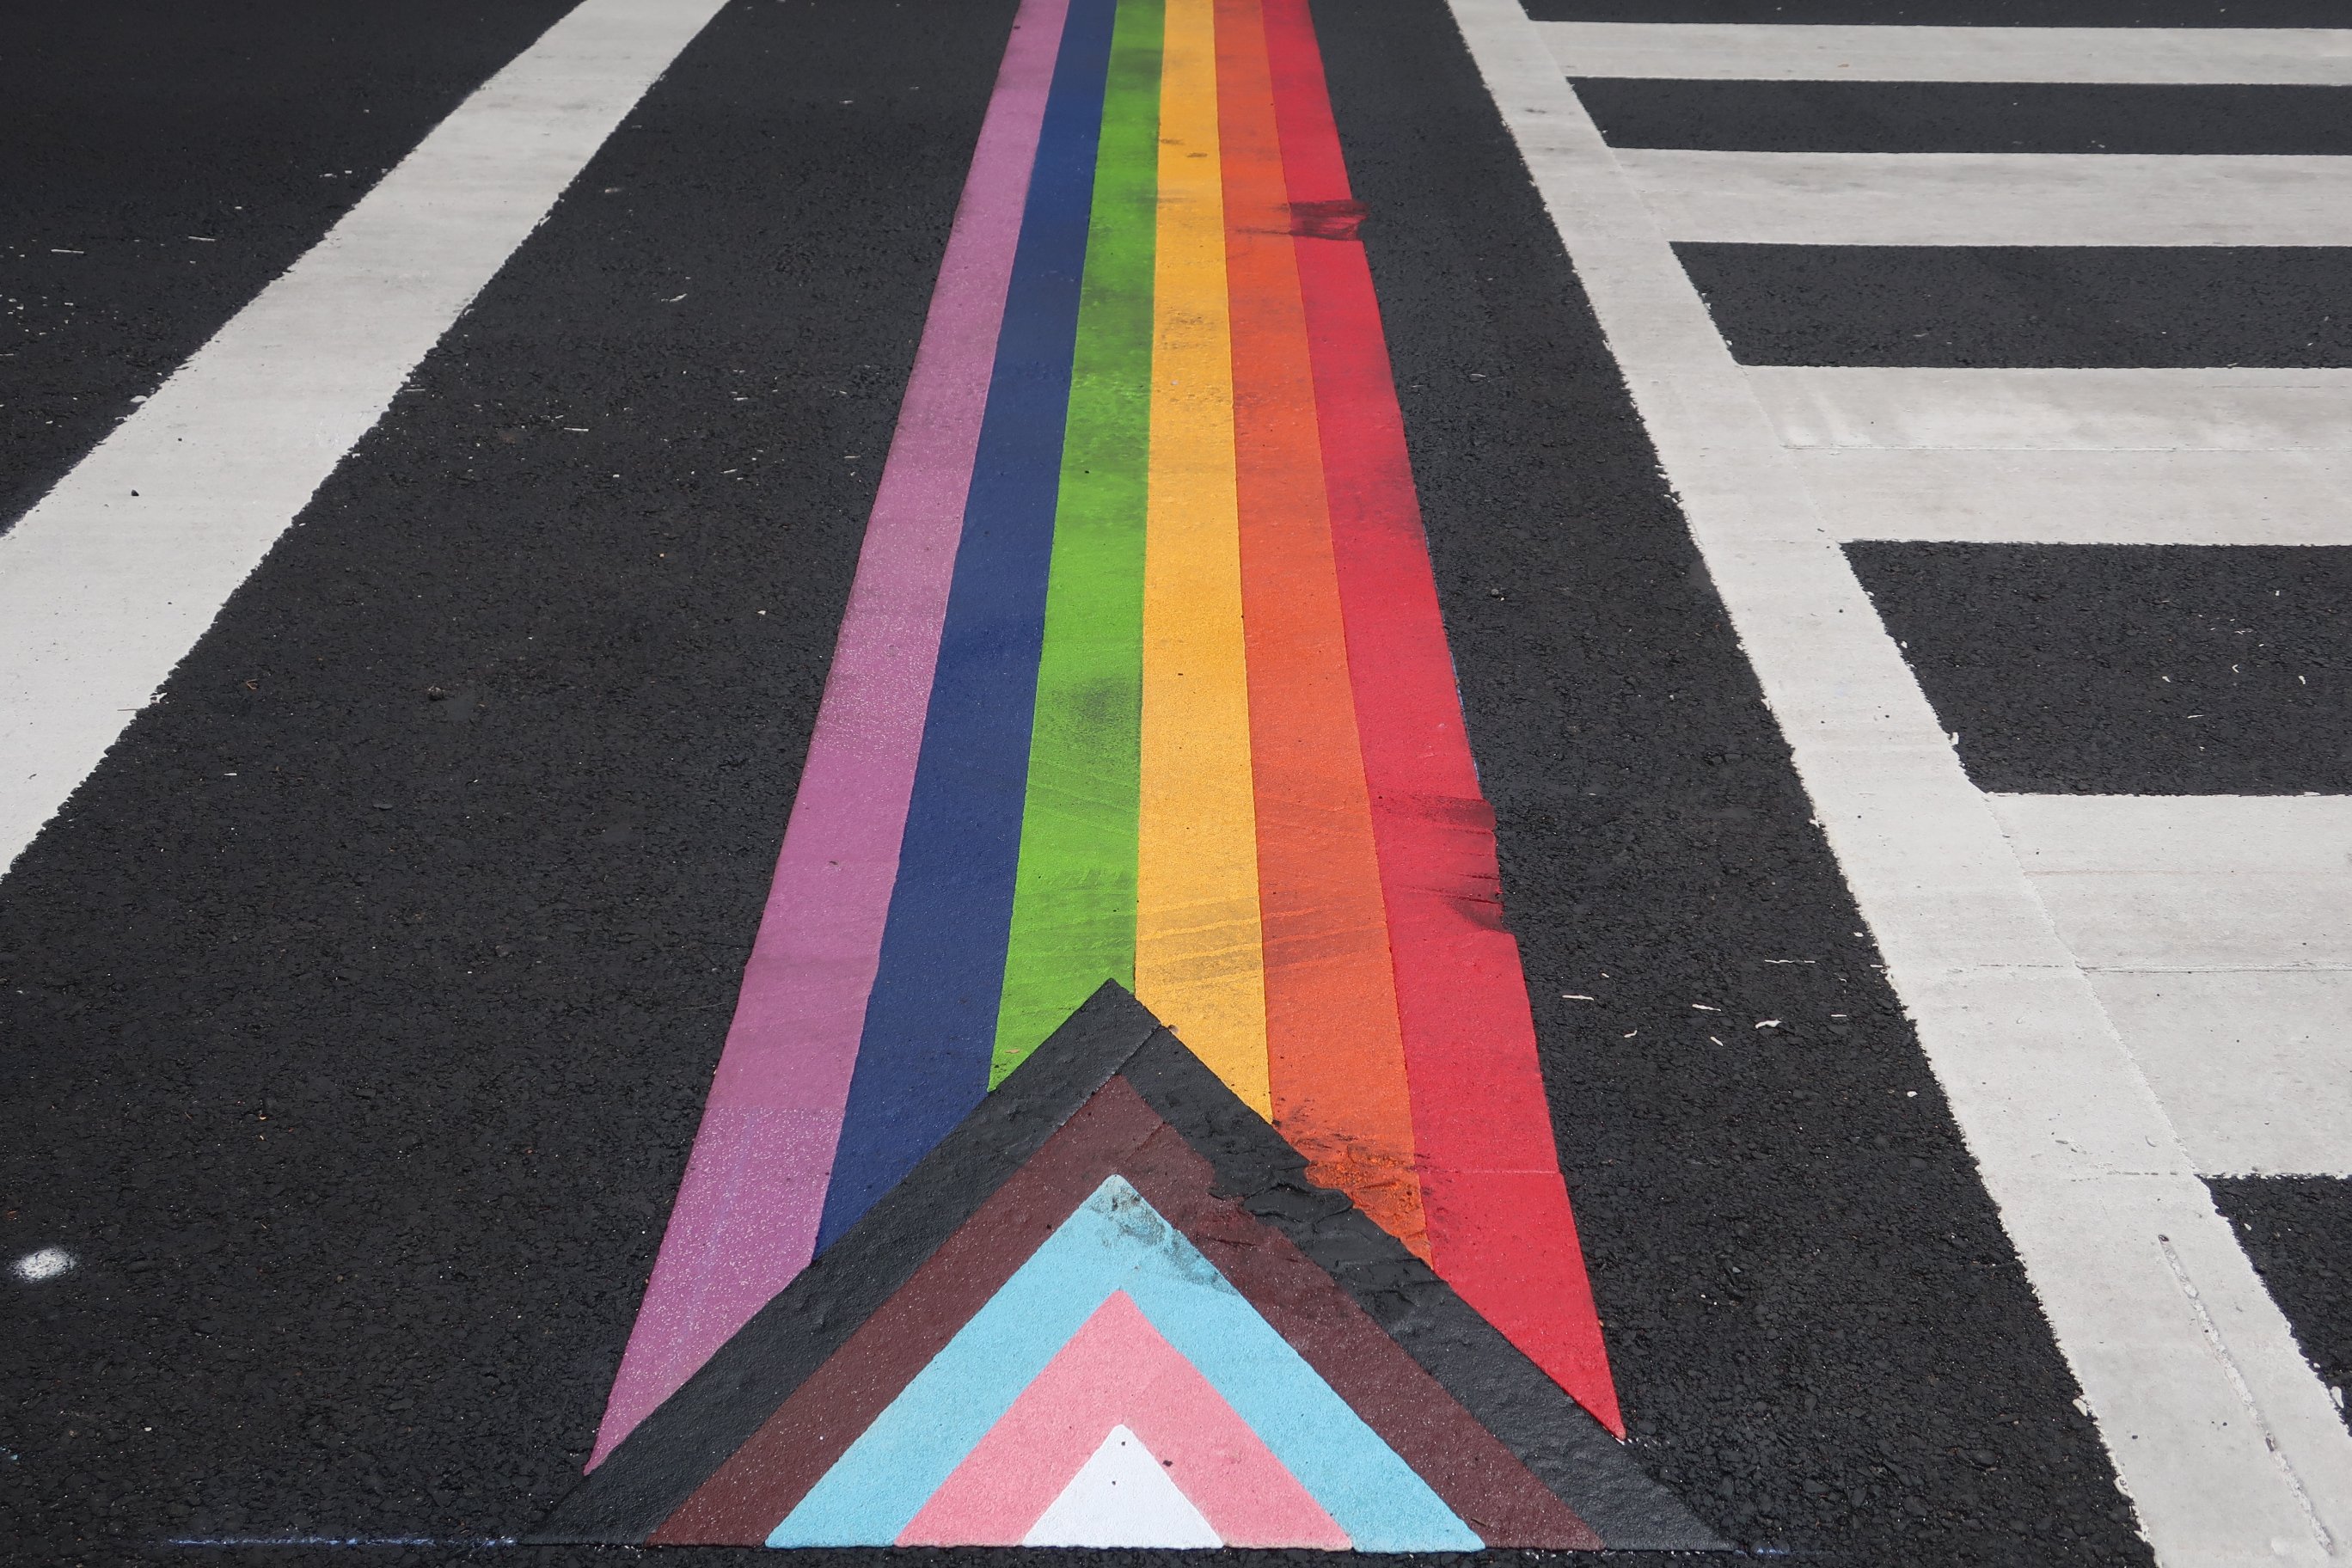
[1116, 1371]
[746, 1216]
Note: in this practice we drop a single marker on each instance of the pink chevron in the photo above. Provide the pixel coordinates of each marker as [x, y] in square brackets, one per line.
[1117, 1370]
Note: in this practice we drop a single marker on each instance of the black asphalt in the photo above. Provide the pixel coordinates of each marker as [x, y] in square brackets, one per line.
[358, 1012]
[2019, 306]
[360, 1080]
[1968, 117]
[2129, 668]
[162, 159]
[2294, 1227]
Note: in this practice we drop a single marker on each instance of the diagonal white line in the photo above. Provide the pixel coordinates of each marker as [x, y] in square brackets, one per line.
[108, 581]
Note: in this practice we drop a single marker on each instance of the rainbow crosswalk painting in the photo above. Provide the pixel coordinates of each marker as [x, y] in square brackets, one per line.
[1142, 679]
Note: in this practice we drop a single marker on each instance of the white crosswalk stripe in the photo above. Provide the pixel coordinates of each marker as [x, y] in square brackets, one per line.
[1781, 53]
[1993, 198]
[2076, 966]
[1996, 494]
[2215, 929]
[2058, 410]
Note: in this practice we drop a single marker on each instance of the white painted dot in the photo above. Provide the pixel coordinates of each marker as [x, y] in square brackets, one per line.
[47, 1264]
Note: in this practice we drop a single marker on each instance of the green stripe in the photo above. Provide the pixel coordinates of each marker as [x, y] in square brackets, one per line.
[1074, 901]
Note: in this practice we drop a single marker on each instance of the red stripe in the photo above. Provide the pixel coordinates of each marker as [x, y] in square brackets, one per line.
[1500, 1229]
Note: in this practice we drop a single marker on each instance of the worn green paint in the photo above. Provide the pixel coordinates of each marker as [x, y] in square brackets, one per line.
[1074, 898]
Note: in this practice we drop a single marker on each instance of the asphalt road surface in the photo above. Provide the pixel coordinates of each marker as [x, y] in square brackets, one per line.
[1887, 470]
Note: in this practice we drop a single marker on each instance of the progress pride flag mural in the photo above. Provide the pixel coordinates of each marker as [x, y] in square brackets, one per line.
[1142, 679]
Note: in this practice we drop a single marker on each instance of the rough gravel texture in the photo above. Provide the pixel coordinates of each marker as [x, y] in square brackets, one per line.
[2129, 668]
[2087, 307]
[2298, 1231]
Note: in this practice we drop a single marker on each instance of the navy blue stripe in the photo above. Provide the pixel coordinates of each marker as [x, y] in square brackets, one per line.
[930, 1022]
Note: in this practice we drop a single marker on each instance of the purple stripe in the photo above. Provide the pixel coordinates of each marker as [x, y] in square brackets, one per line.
[746, 1216]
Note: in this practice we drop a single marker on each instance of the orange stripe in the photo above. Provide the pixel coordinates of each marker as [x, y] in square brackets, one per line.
[1501, 1230]
[1335, 1052]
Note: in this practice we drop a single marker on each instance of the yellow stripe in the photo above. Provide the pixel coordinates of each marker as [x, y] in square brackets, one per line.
[1198, 955]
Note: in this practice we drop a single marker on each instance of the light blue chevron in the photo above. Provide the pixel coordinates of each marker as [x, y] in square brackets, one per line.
[1117, 1241]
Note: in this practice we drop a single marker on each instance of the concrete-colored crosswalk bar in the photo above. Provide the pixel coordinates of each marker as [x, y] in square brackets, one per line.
[1781, 52]
[2217, 932]
[1993, 198]
[2059, 410]
[2212, 881]
[2254, 1066]
[2081, 497]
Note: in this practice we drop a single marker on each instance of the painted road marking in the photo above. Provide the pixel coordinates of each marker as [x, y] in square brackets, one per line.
[1500, 1225]
[931, 1017]
[1121, 1497]
[2217, 930]
[1187, 324]
[1331, 977]
[2083, 497]
[2231, 1448]
[2069, 456]
[2311, 55]
[108, 581]
[1993, 198]
[1116, 1241]
[746, 1215]
[1118, 1369]
[1199, 944]
[941, 1373]
[2057, 410]
[2251, 1065]
[1073, 895]
[748, 1211]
